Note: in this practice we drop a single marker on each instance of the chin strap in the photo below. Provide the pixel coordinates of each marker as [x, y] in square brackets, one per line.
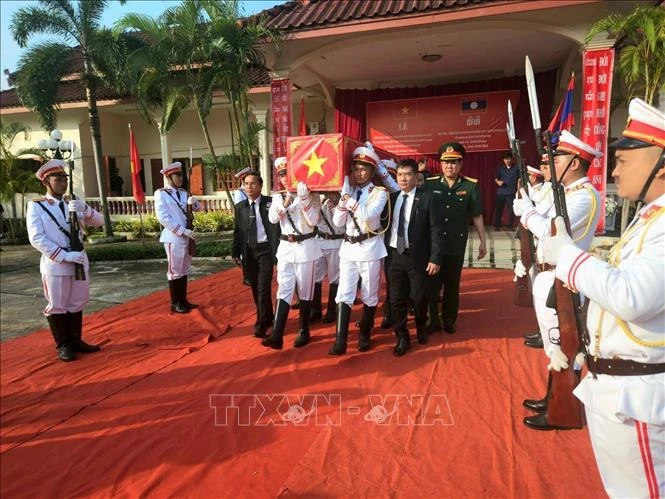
[659, 164]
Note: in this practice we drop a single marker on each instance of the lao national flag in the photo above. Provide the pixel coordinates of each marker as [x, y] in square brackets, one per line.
[135, 165]
[563, 118]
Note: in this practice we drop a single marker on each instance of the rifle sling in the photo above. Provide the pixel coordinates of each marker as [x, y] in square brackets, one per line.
[60, 227]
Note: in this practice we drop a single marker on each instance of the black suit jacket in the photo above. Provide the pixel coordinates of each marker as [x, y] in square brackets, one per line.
[425, 235]
[241, 224]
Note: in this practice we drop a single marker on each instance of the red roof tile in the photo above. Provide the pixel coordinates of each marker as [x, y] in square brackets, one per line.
[303, 14]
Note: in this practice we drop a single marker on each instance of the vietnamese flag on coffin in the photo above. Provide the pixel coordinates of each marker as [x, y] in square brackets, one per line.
[321, 161]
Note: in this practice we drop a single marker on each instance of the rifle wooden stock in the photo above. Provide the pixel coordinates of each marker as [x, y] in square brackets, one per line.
[523, 296]
[75, 243]
[564, 409]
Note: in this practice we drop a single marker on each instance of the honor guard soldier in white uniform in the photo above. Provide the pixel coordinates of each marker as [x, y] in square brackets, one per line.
[297, 254]
[49, 231]
[624, 391]
[171, 210]
[359, 210]
[329, 237]
[572, 159]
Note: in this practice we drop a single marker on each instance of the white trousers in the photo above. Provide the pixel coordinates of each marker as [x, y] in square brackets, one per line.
[180, 261]
[328, 265]
[290, 275]
[548, 323]
[350, 272]
[630, 455]
[65, 294]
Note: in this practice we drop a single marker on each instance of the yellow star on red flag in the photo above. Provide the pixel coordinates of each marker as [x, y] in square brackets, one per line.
[314, 164]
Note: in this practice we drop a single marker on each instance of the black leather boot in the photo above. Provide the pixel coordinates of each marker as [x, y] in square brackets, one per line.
[276, 338]
[403, 343]
[540, 405]
[316, 309]
[76, 329]
[59, 324]
[176, 306]
[366, 325]
[332, 306]
[305, 316]
[186, 303]
[342, 332]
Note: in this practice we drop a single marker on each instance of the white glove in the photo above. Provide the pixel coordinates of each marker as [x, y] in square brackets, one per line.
[579, 360]
[74, 257]
[520, 269]
[523, 204]
[76, 206]
[558, 360]
[189, 233]
[382, 170]
[554, 245]
[191, 200]
[346, 187]
[302, 190]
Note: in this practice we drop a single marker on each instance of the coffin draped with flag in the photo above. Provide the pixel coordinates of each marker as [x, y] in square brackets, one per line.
[321, 161]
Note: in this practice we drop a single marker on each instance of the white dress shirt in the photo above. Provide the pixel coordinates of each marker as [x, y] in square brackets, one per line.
[261, 236]
[407, 215]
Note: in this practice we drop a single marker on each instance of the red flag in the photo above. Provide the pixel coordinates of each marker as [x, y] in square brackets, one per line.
[135, 166]
[563, 118]
[302, 129]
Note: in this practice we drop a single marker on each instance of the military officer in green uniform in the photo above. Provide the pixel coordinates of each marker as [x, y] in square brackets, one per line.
[461, 202]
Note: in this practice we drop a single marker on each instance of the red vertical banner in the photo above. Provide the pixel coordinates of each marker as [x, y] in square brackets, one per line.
[281, 115]
[596, 93]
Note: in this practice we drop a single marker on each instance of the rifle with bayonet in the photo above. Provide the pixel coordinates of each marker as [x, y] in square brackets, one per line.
[522, 296]
[564, 410]
[75, 243]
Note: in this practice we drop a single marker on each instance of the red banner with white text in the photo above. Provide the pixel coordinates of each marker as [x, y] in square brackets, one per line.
[281, 115]
[598, 66]
[409, 127]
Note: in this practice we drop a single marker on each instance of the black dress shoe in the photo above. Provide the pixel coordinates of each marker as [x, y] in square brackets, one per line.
[434, 326]
[274, 343]
[364, 342]
[260, 332]
[532, 336]
[539, 422]
[84, 347]
[422, 337]
[535, 343]
[179, 308]
[449, 328]
[66, 353]
[403, 343]
[536, 405]
[327, 319]
[387, 322]
[302, 338]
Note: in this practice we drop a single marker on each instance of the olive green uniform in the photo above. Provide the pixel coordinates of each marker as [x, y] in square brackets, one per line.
[461, 202]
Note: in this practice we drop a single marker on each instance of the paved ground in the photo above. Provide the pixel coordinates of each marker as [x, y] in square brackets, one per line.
[112, 283]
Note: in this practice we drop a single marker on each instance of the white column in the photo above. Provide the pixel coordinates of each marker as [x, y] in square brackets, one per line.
[265, 168]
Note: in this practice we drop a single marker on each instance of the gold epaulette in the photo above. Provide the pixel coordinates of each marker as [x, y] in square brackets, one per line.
[40, 198]
[474, 180]
[379, 187]
[434, 178]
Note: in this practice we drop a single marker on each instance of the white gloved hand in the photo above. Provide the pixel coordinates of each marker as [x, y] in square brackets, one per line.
[76, 206]
[189, 233]
[579, 360]
[520, 269]
[191, 200]
[523, 204]
[382, 170]
[346, 187]
[554, 245]
[302, 190]
[74, 257]
[558, 360]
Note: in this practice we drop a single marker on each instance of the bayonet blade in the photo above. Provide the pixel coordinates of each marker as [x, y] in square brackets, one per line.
[511, 120]
[533, 96]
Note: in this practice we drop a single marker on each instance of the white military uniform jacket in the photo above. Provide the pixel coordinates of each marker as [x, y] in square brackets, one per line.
[626, 316]
[305, 216]
[327, 212]
[171, 209]
[541, 195]
[583, 205]
[367, 213]
[46, 237]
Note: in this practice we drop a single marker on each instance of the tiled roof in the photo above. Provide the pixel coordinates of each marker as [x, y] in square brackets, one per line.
[74, 91]
[306, 14]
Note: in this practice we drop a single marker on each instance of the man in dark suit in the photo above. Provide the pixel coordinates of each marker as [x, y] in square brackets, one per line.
[414, 244]
[255, 242]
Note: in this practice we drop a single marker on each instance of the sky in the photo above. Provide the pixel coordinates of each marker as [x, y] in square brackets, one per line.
[10, 52]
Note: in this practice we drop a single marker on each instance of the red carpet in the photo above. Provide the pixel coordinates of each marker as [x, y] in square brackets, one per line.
[153, 413]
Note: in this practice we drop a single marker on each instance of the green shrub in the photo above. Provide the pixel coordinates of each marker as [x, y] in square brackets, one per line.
[213, 248]
[125, 251]
[213, 221]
